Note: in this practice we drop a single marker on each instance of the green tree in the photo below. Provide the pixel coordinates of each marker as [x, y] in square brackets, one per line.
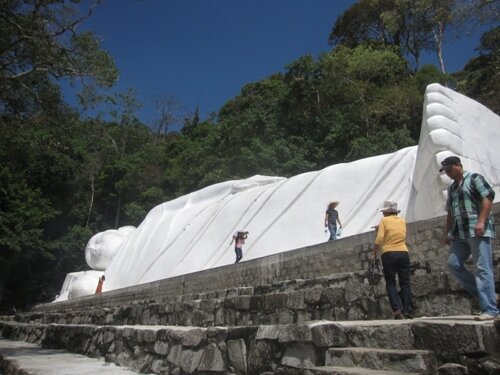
[24, 211]
[348, 94]
[362, 22]
[480, 78]
[409, 19]
[254, 114]
[42, 223]
[40, 42]
[428, 74]
[477, 13]
[167, 108]
[194, 159]
[123, 111]
[37, 162]
[415, 26]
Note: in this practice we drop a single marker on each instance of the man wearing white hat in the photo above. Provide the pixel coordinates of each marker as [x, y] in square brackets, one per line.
[391, 238]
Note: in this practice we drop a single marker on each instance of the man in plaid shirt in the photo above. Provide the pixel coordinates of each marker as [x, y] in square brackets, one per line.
[469, 228]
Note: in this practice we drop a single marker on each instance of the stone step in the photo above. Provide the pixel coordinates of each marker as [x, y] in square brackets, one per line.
[256, 348]
[442, 335]
[338, 297]
[421, 361]
[339, 370]
[19, 357]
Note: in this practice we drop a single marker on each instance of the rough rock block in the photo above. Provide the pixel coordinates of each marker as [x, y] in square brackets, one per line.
[327, 333]
[296, 300]
[299, 355]
[421, 361]
[285, 316]
[262, 356]
[339, 370]
[428, 284]
[193, 337]
[333, 296]
[175, 354]
[146, 335]
[439, 305]
[212, 359]
[271, 302]
[294, 333]
[353, 291]
[242, 302]
[450, 338]
[190, 359]
[161, 347]
[237, 355]
[452, 369]
[388, 336]
[216, 334]
[313, 296]
[268, 332]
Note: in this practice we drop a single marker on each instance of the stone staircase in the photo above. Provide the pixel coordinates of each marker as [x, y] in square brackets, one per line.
[307, 311]
[319, 347]
[336, 370]
[402, 361]
[345, 296]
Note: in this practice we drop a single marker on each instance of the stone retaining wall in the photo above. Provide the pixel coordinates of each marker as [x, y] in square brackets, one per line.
[266, 349]
[349, 255]
[350, 296]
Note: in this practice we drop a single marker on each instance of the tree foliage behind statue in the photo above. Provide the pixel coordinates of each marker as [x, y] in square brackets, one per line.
[39, 45]
[480, 78]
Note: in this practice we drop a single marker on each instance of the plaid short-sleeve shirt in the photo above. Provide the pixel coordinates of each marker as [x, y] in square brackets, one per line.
[464, 204]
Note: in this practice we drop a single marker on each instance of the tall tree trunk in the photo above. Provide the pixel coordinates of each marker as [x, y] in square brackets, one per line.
[438, 37]
[91, 205]
[118, 210]
[120, 191]
[160, 127]
[2, 290]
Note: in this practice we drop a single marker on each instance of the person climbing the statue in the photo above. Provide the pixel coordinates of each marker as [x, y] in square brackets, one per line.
[331, 220]
[239, 237]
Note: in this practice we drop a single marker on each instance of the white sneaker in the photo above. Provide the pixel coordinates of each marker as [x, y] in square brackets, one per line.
[485, 316]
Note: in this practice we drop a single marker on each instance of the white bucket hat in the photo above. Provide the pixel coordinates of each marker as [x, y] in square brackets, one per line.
[390, 206]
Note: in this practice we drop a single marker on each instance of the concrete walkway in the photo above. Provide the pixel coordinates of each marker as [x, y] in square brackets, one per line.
[34, 360]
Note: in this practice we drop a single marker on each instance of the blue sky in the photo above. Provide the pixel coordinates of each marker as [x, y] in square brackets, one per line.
[204, 51]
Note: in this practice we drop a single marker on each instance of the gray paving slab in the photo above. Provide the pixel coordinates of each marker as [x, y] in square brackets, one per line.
[38, 361]
[449, 320]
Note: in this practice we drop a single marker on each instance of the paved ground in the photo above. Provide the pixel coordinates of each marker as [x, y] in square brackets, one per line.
[37, 361]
